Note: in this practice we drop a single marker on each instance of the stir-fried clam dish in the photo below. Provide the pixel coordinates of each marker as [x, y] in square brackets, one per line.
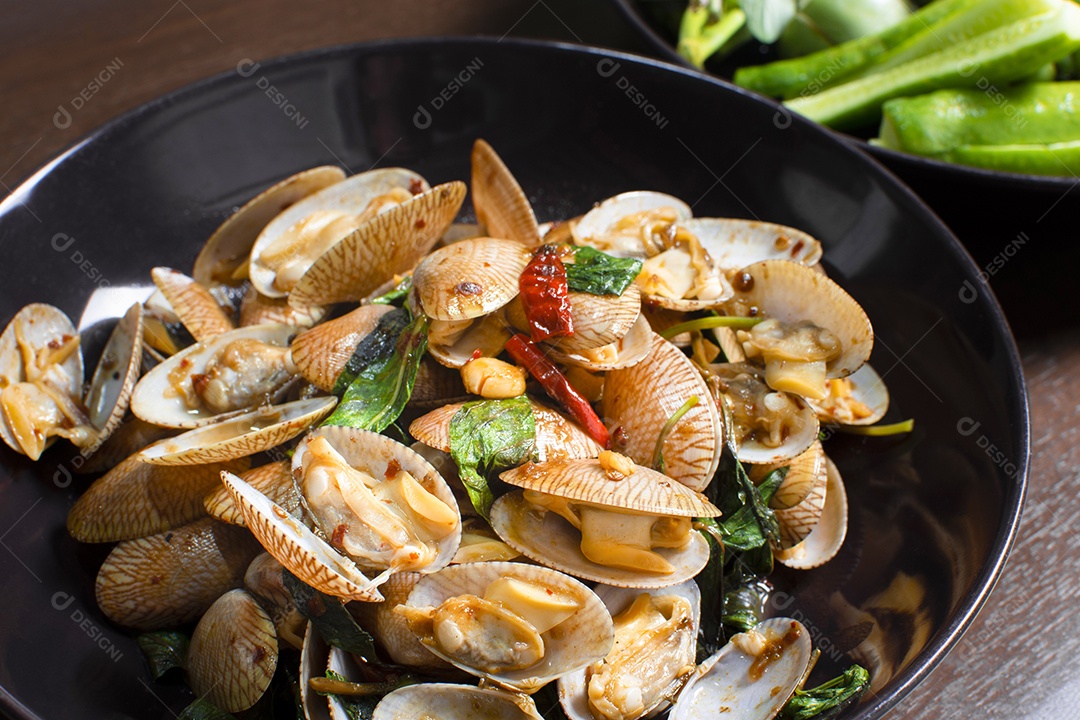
[421, 468]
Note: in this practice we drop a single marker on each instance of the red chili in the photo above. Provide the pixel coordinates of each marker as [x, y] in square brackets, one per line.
[544, 295]
[526, 354]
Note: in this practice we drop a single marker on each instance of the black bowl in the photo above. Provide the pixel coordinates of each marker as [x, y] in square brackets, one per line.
[576, 125]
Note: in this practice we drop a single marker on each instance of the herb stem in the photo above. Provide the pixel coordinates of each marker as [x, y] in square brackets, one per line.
[899, 428]
[658, 453]
[706, 323]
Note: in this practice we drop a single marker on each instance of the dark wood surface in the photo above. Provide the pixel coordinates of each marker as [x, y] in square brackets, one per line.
[1015, 661]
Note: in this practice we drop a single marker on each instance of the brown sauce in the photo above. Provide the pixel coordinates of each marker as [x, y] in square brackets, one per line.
[773, 651]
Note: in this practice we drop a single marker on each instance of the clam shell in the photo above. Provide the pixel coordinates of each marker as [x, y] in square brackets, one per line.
[868, 388]
[436, 385]
[798, 521]
[320, 354]
[573, 688]
[488, 334]
[173, 577]
[642, 398]
[314, 657]
[257, 309]
[304, 553]
[556, 435]
[156, 401]
[735, 243]
[596, 223]
[242, 435]
[391, 243]
[230, 245]
[264, 580]
[192, 303]
[39, 325]
[725, 680]
[377, 455]
[454, 702]
[581, 639]
[500, 204]
[129, 438]
[114, 377]
[461, 231]
[273, 480]
[598, 319]
[805, 471]
[585, 480]
[827, 536]
[390, 629]
[549, 540]
[233, 652]
[469, 278]
[629, 350]
[792, 292]
[351, 195]
[136, 499]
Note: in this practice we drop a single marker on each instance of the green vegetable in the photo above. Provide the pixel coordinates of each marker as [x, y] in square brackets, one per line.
[899, 428]
[799, 76]
[378, 393]
[357, 699]
[1062, 159]
[375, 349]
[767, 19]
[744, 603]
[823, 23]
[997, 57]
[487, 437]
[330, 618]
[598, 273]
[708, 29]
[714, 321]
[397, 293]
[164, 650]
[830, 697]
[658, 452]
[204, 710]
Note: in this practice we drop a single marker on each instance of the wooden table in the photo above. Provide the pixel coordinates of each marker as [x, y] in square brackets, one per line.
[69, 66]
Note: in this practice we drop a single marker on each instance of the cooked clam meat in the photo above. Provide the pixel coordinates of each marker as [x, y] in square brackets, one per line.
[678, 267]
[245, 373]
[758, 412]
[499, 632]
[795, 354]
[840, 403]
[392, 523]
[654, 650]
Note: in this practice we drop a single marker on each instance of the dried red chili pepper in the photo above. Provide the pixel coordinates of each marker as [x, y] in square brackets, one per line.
[544, 295]
[526, 354]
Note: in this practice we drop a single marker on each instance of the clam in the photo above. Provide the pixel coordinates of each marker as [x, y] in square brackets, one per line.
[257, 309]
[470, 278]
[813, 329]
[314, 656]
[265, 580]
[454, 702]
[193, 304]
[652, 658]
[114, 378]
[454, 343]
[226, 253]
[641, 399]
[289, 243]
[320, 354]
[861, 398]
[518, 626]
[808, 473]
[827, 535]
[436, 385]
[241, 435]
[387, 245]
[500, 204]
[390, 629]
[617, 224]
[233, 652]
[627, 351]
[212, 380]
[768, 426]
[605, 520]
[752, 676]
[735, 243]
[136, 499]
[556, 435]
[131, 436]
[273, 480]
[598, 319]
[171, 578]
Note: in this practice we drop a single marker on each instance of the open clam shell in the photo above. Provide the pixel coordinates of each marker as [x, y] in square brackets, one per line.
[827, 535]
[389, 628]
[391, 243]
[228, 248]
[274, 480]
[114, 377]
[735, 243]
[574, 688]
[156, 398]
[469, 278]
[486, 335]
[197, 309]
[582, 638]
[314, 656]
[382, 457]
[642, 398]
[257, 309]
[454, 702]
[861, 398]
[242, 435]
[598, 319]
[265, 580]
[627, 351]
[752, 685]
[321, 353]
[501, 205]
[233, 652]
[596, 227]
[797, 521]
[556, 435]
[792, 293]
[352, 196]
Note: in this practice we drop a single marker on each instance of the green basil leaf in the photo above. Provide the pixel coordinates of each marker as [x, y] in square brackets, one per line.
[400, 291]
[204, 710]
[378, 393]
[487, 437]
[828, 699]
[164, 650]
[375, 349]
[330, 618]
[598, 273]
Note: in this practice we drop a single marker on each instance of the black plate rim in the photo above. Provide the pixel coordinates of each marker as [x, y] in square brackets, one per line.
[949, 634]
[1046, 183]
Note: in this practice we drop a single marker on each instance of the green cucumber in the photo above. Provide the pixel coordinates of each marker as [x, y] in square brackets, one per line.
[791, 78]
[998, 57]
[1061, 159]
